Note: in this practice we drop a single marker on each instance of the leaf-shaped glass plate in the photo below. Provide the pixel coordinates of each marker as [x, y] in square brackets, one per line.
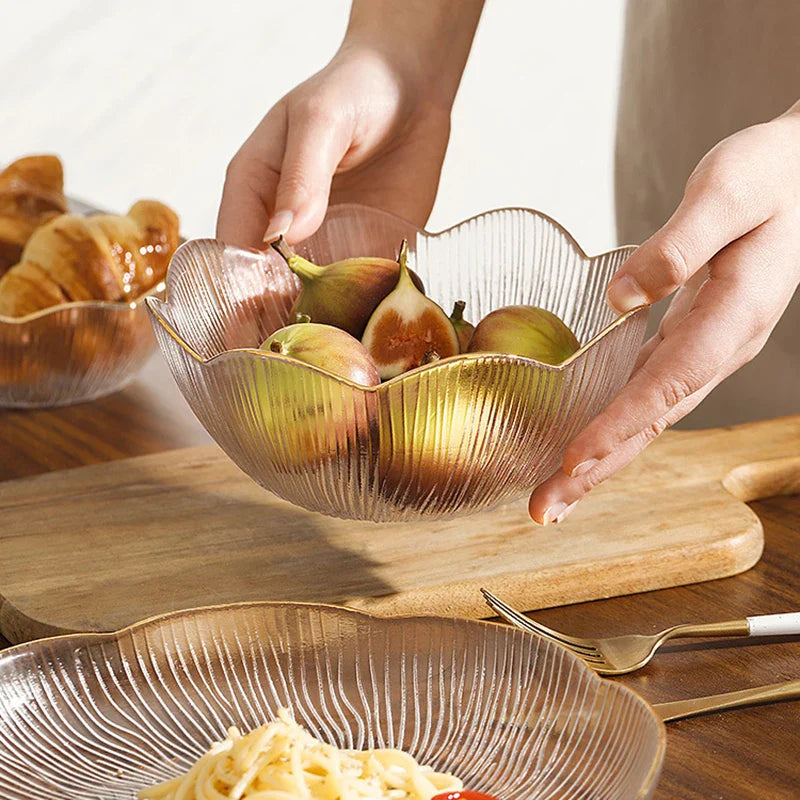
[103, 715]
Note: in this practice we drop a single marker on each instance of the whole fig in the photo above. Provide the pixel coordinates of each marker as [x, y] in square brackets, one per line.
[345, 293]
[326, 347]
[524, 331]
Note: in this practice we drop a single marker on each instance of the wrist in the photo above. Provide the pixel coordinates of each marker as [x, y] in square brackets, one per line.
[390, 68]
[423, 43]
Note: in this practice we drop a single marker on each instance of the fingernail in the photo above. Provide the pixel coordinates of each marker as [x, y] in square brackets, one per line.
[625, 294]
[553, 512]
[566, 512]
[583, 467]
[279, 225]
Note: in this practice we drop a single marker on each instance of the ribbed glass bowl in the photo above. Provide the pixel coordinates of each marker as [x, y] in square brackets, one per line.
[73, 352]
[453, 437]
[100, 716]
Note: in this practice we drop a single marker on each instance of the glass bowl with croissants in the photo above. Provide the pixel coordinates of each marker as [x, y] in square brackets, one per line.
[73, 326]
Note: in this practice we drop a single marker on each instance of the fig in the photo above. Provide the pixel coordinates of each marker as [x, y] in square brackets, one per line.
[464, 329]
[407, 326]
[343, 294]
[326, 347]
[524, 331]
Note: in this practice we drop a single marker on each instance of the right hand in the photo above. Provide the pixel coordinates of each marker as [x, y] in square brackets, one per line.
[361, 130]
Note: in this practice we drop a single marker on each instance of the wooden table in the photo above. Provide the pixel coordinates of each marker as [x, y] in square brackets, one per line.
[739, 755]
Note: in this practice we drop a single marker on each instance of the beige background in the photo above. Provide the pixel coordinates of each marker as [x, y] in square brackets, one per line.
[153, 98]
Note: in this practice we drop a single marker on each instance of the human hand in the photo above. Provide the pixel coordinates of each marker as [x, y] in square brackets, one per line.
[372, 127]
[732, 250]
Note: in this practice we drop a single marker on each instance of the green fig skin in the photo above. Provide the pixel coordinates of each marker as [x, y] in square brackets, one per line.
[464, 329]
[343, 294]
[525, 331]
[326, 347]
[407, 328]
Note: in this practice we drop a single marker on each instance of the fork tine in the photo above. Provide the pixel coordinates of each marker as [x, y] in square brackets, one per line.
[508, 613]
[521, 621]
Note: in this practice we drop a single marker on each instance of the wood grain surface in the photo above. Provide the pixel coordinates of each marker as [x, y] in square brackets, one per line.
[98, 548]
[747, 754]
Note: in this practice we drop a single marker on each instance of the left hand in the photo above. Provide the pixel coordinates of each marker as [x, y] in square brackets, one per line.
[732, 251]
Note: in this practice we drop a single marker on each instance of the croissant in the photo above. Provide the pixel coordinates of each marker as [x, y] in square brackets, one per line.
[102, 257]
[31, 193]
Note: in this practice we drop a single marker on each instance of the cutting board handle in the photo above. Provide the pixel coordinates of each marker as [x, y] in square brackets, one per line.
[754, 460]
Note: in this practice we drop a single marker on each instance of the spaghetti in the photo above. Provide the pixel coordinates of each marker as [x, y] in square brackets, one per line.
[282, 761]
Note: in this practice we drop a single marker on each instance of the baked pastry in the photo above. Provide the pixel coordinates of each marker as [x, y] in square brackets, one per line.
[31, 193]
[103, 257]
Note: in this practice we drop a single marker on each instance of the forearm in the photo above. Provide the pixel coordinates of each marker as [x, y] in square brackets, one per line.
[428, 40]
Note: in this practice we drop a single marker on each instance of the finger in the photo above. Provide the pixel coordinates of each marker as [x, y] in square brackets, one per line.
[316, 142]
[733, 308]
[678, 308]
[553, 500]
[251, 180]
[712, 214]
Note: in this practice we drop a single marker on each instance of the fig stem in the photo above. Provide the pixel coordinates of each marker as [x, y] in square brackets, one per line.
[276, 346]
[402, 260]
[301, 267]
[300, 318]
[458, 311]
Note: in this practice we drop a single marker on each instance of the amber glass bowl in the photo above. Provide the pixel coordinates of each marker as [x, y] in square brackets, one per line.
[73, 352]
[453, 437]
[102, 716]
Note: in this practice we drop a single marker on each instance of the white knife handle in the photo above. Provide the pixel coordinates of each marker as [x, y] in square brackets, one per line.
[775, 624]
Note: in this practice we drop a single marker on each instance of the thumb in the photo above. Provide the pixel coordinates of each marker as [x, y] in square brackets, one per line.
[316, 142]
[703, 224]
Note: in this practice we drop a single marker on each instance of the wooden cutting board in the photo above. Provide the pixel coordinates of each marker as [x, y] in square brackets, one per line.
[98, 547]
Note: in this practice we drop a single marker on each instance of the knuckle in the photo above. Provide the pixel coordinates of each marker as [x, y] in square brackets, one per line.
[676, 389]
[236, 168]
[672, 262]
[731, 192]
[725, 185]
[654, 430]
[590, 480]
[294, 186]
[313, 110]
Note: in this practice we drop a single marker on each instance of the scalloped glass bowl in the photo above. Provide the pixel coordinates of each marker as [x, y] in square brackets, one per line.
[104, 715]
[454, 437]
[74, 352]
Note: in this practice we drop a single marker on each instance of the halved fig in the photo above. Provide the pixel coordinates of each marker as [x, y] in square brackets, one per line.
[407, 326]
[343, 294]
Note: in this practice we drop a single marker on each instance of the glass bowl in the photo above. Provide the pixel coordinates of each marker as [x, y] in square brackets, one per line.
[73, 352]
[103, 715]
[453, 437]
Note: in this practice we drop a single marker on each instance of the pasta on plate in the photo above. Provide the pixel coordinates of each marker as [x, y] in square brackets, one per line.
[283, 761]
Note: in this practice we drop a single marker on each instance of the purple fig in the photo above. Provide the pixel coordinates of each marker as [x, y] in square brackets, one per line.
[326, 347]
[407, 326]
[524, 331]
[345, 293]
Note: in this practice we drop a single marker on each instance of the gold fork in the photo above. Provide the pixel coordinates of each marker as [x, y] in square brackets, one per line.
[617, 655]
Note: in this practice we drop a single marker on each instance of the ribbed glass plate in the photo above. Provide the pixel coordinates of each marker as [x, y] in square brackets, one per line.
[73, 352]
[453, 437]
[88, 717]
